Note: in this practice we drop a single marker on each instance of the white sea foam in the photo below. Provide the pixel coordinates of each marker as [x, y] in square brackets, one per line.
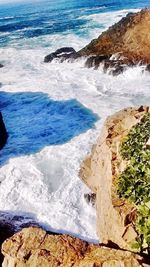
[46, 184]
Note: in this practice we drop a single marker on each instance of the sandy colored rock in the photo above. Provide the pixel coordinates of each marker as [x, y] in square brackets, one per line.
[129, 38]
[33, 247]
[115, 218]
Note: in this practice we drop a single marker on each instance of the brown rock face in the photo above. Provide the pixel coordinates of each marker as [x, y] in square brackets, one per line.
[33, 247]
[129, 38]
[114, 216]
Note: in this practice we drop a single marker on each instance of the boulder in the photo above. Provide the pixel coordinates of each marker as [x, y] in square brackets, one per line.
[100, 170]
[10, 224]
[62, 54]
[3, 132]
[33, 247]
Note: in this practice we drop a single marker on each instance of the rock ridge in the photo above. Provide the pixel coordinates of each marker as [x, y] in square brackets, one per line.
[125, 44]
[33, 247]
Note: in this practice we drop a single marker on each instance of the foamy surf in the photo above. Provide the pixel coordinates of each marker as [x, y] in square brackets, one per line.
[46, 184]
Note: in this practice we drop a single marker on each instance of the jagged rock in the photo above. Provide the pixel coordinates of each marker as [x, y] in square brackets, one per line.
[95, 61]
[115, 217]
[10, 224]
[61, 54]
[129, 39]
[90, 198]
[33, 247]
[3, 132]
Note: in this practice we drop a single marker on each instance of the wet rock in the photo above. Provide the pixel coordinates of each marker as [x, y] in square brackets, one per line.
[3, 132]
[95, 61]
[90, 199]
[148, 67]
[1, 65]
[128, 39]
[34, 247]
[62, 54]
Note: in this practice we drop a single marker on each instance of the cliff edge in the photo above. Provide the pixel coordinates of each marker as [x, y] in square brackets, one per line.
[117, 170]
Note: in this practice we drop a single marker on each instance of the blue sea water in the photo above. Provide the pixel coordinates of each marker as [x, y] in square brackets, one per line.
[28, 20]
[54, 112]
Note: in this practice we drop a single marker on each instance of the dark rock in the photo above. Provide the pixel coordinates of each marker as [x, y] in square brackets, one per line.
[90, 198]
[1, 65]
[114, 67]
[63, 53]
[3, 132]
[6, 231]
[95, 61]
[148, 67]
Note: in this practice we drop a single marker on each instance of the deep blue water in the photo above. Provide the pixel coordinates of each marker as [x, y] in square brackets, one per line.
[28, 20]
[34, 121]
[40, 121]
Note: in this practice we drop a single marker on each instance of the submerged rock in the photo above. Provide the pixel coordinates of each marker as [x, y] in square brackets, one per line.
[100, 170]
[33, 247]
[3, 132]
[61, 54]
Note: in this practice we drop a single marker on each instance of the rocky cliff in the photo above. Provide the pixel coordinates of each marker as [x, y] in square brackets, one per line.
[101, 171]
[129, 39]
[33, 247]
[126, 43]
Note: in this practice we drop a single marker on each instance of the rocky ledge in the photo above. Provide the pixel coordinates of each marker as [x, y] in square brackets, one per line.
[126, 43]
[33, 247]
[117, 171]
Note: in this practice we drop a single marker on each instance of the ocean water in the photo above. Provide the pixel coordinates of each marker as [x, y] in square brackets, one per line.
[54, 112]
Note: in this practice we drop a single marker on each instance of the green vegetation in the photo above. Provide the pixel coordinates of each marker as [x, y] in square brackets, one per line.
[134, 182]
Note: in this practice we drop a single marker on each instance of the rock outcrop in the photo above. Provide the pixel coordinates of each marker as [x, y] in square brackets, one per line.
[11, 224]
[33, 247]
[62, 54]
[3, 132]
[115, 216]
[125, 44]
[129, 39]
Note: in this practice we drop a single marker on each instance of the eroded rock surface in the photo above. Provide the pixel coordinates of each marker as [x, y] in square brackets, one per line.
[33, 247]
[123, 45]
[115, 217]
[129, 38]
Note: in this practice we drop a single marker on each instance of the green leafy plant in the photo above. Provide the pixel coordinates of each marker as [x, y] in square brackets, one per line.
[134, 182]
